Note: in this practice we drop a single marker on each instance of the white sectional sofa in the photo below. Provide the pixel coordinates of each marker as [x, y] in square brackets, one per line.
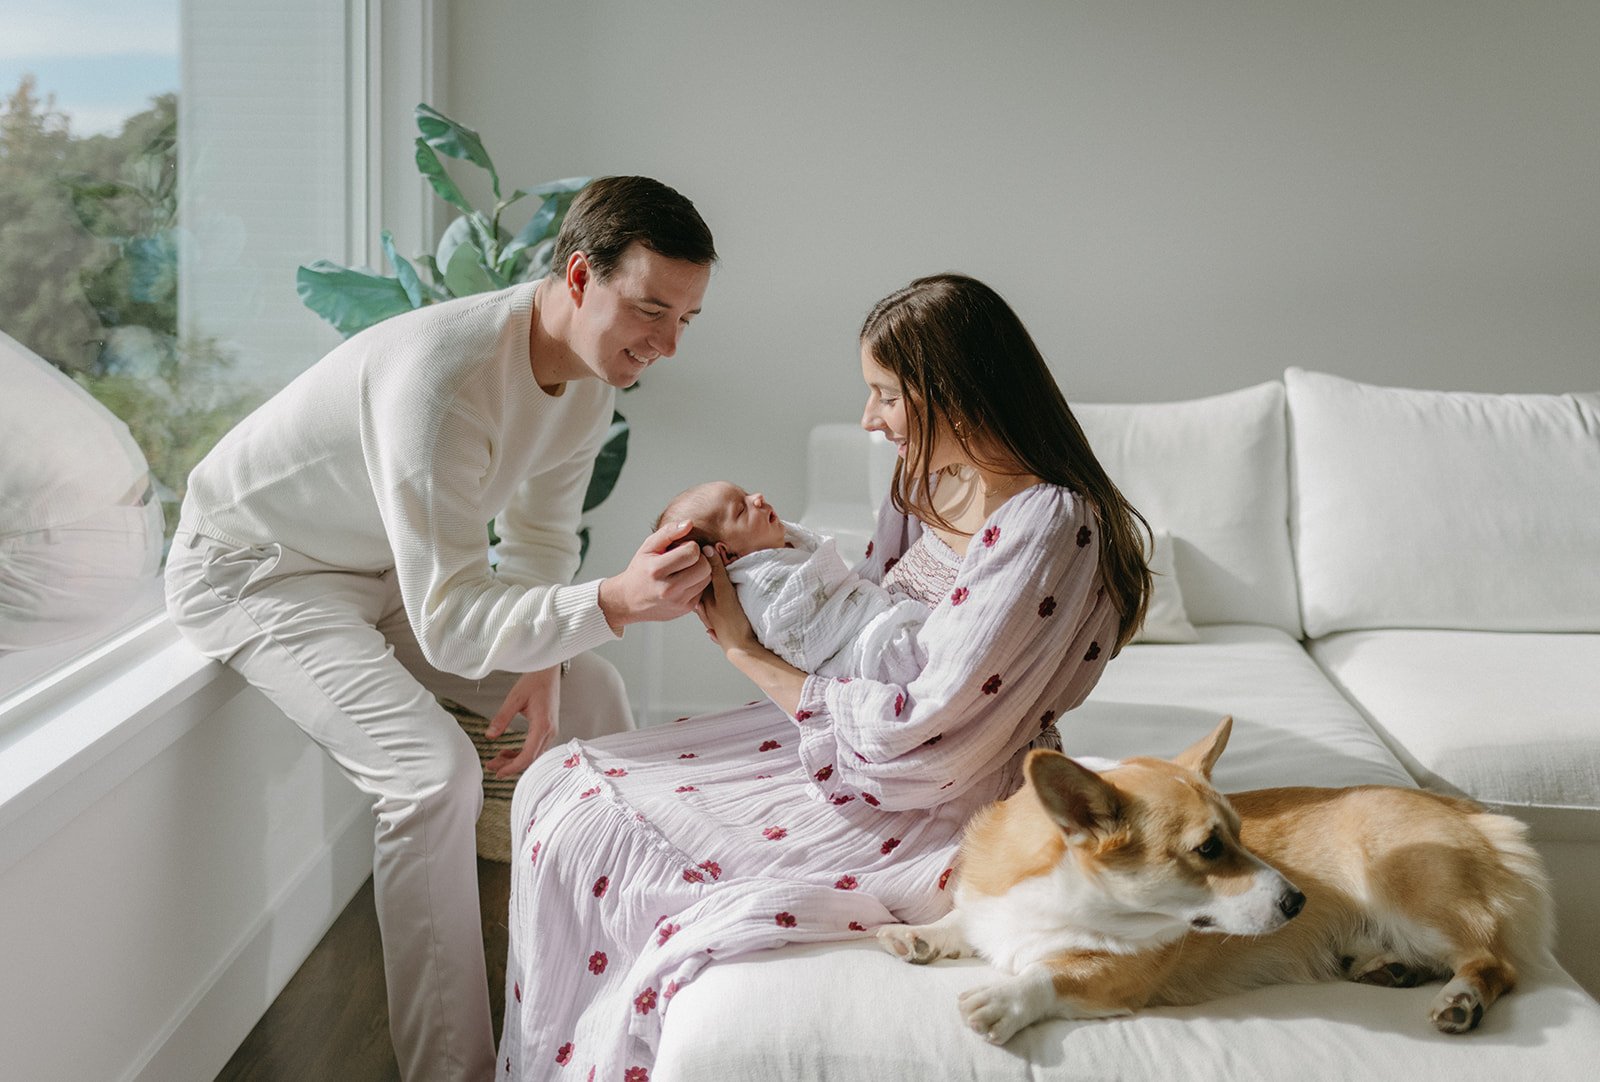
[1381, 586]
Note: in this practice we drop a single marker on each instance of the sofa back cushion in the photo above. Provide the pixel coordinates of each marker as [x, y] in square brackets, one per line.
[1435, 509]
[1212, 473]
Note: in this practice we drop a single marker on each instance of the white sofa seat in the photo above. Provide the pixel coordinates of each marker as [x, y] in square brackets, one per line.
[1504, 718]
[851, 1012]
[1290, 726]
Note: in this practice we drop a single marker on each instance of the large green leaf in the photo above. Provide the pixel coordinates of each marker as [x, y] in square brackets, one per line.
[351, 300]
[403, 271]
[465, 274]
[456, 140]
[429, 165]
[608, 464]
[456, 233]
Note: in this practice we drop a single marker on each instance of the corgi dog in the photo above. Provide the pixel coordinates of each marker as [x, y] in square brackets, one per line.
[1103, 892]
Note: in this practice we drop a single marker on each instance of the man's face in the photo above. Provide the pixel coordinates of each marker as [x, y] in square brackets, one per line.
[630, 320]
[743, 522]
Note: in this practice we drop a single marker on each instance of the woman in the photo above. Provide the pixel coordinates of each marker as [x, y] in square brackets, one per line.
[646, 855]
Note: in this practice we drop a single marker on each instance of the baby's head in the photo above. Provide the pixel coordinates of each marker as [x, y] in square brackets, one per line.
[725, 516]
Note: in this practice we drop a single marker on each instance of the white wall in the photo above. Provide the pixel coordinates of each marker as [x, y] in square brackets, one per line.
[1179, 198]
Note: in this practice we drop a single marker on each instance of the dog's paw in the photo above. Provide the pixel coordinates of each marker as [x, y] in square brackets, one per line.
[1386, 971]
[996, 1012]
[1457, 1009]
[911, 943]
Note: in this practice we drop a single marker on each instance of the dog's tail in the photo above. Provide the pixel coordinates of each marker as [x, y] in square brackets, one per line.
[1524, 908]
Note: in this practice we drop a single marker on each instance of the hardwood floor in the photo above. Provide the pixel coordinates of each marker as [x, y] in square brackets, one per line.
[331, 1021]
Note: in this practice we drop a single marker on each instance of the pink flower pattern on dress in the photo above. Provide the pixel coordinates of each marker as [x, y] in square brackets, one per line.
[570, 761]
[1083, 536]
[688, 755]
[889, 563]
[959, 595]
[600, 885]
[785, 920]
[932, 740]
[617, 772]
[669, 991]
[990, 536]
[846, 882]
[773, 834]
[944, 877]
[597, 963]
[889, 846]
[645, 1001]
[693, 875]
[899, 704]
[685, 789]
[665, 932]
[712, 868]
[769, 745]
[564, 1054]
[802, 715]
[636, 1074]
[991, 685]
[587, 793]
[516, 990]
[824, 773]
[856, 926]
[843, 798]
[1094, 652]
[869, 548]
[1047, 606]
[870, 799]
[1045, 719]
[535, 854]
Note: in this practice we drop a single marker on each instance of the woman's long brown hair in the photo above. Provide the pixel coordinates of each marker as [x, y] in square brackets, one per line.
[961, 354]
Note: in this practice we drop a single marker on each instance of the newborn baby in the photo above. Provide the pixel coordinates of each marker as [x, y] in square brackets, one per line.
[803, 602]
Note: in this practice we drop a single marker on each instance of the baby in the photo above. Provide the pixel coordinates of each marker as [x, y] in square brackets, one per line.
[803, 602]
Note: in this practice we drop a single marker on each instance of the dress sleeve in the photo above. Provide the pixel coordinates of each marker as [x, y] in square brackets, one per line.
[1024, 606]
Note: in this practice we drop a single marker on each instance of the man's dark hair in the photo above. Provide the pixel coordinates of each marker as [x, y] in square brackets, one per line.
[614, 212]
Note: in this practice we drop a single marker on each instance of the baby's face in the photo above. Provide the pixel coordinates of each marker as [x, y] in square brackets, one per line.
[743, 521]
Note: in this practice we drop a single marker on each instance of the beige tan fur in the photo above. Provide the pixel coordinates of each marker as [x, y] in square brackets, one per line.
[1103, 893]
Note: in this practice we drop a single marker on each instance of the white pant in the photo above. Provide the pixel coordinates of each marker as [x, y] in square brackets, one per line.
[333, 650]
[59, 583]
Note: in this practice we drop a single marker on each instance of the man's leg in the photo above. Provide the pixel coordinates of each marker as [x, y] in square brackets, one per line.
[307, 637]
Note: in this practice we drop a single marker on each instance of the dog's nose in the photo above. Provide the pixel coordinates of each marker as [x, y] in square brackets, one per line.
[1290, 903]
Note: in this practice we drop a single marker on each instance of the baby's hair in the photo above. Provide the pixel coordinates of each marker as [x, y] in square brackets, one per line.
[681, 508]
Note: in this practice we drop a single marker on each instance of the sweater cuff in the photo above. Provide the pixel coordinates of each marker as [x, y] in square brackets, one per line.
[580, 622]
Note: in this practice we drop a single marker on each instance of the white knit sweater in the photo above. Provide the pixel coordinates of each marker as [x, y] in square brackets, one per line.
[396, 449]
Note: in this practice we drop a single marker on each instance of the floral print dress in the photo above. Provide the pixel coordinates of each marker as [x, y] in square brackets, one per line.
[643, 856]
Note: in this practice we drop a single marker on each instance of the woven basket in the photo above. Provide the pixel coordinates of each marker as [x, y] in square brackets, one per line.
[494, 825]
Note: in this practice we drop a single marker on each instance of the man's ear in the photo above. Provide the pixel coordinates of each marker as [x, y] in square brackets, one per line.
[727, 555]
[579, 275]
[1203, 755]
[1075, 797]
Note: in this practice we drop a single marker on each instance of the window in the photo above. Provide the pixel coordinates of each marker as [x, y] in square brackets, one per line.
[164, 168]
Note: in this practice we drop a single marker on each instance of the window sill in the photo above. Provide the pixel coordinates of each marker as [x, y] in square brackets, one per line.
[68, 741]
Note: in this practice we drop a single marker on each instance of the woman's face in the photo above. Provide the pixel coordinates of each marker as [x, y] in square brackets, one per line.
[887, 413]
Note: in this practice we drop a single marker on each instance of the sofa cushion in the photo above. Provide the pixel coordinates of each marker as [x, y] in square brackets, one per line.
[1502, 718]
[1290, 726]
[1213, 473]
[1165, 617]
[851, 1011]
[1435, 509]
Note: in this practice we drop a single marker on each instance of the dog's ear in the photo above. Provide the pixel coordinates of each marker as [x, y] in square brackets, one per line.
[1203, 756]
[1079, 800]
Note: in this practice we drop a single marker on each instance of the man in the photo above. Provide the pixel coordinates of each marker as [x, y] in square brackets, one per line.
[332, 549]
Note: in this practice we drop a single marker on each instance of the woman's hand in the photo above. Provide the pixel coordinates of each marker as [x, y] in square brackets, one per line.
[537, 697]
[719, 610]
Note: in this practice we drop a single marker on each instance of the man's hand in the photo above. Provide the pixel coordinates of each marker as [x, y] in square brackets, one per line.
[662, 582]
[537, 697]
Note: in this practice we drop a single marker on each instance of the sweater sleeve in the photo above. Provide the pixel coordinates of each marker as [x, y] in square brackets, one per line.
[468, 621]
[1022, 612]
[539, 527]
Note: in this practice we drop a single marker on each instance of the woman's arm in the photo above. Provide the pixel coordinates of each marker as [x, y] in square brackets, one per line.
[1025, 631]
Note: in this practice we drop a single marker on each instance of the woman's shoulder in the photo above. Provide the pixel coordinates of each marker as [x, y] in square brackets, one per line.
[1044, 506]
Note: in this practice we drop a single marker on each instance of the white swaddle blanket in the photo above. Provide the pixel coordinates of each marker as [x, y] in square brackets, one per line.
[810, 609]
